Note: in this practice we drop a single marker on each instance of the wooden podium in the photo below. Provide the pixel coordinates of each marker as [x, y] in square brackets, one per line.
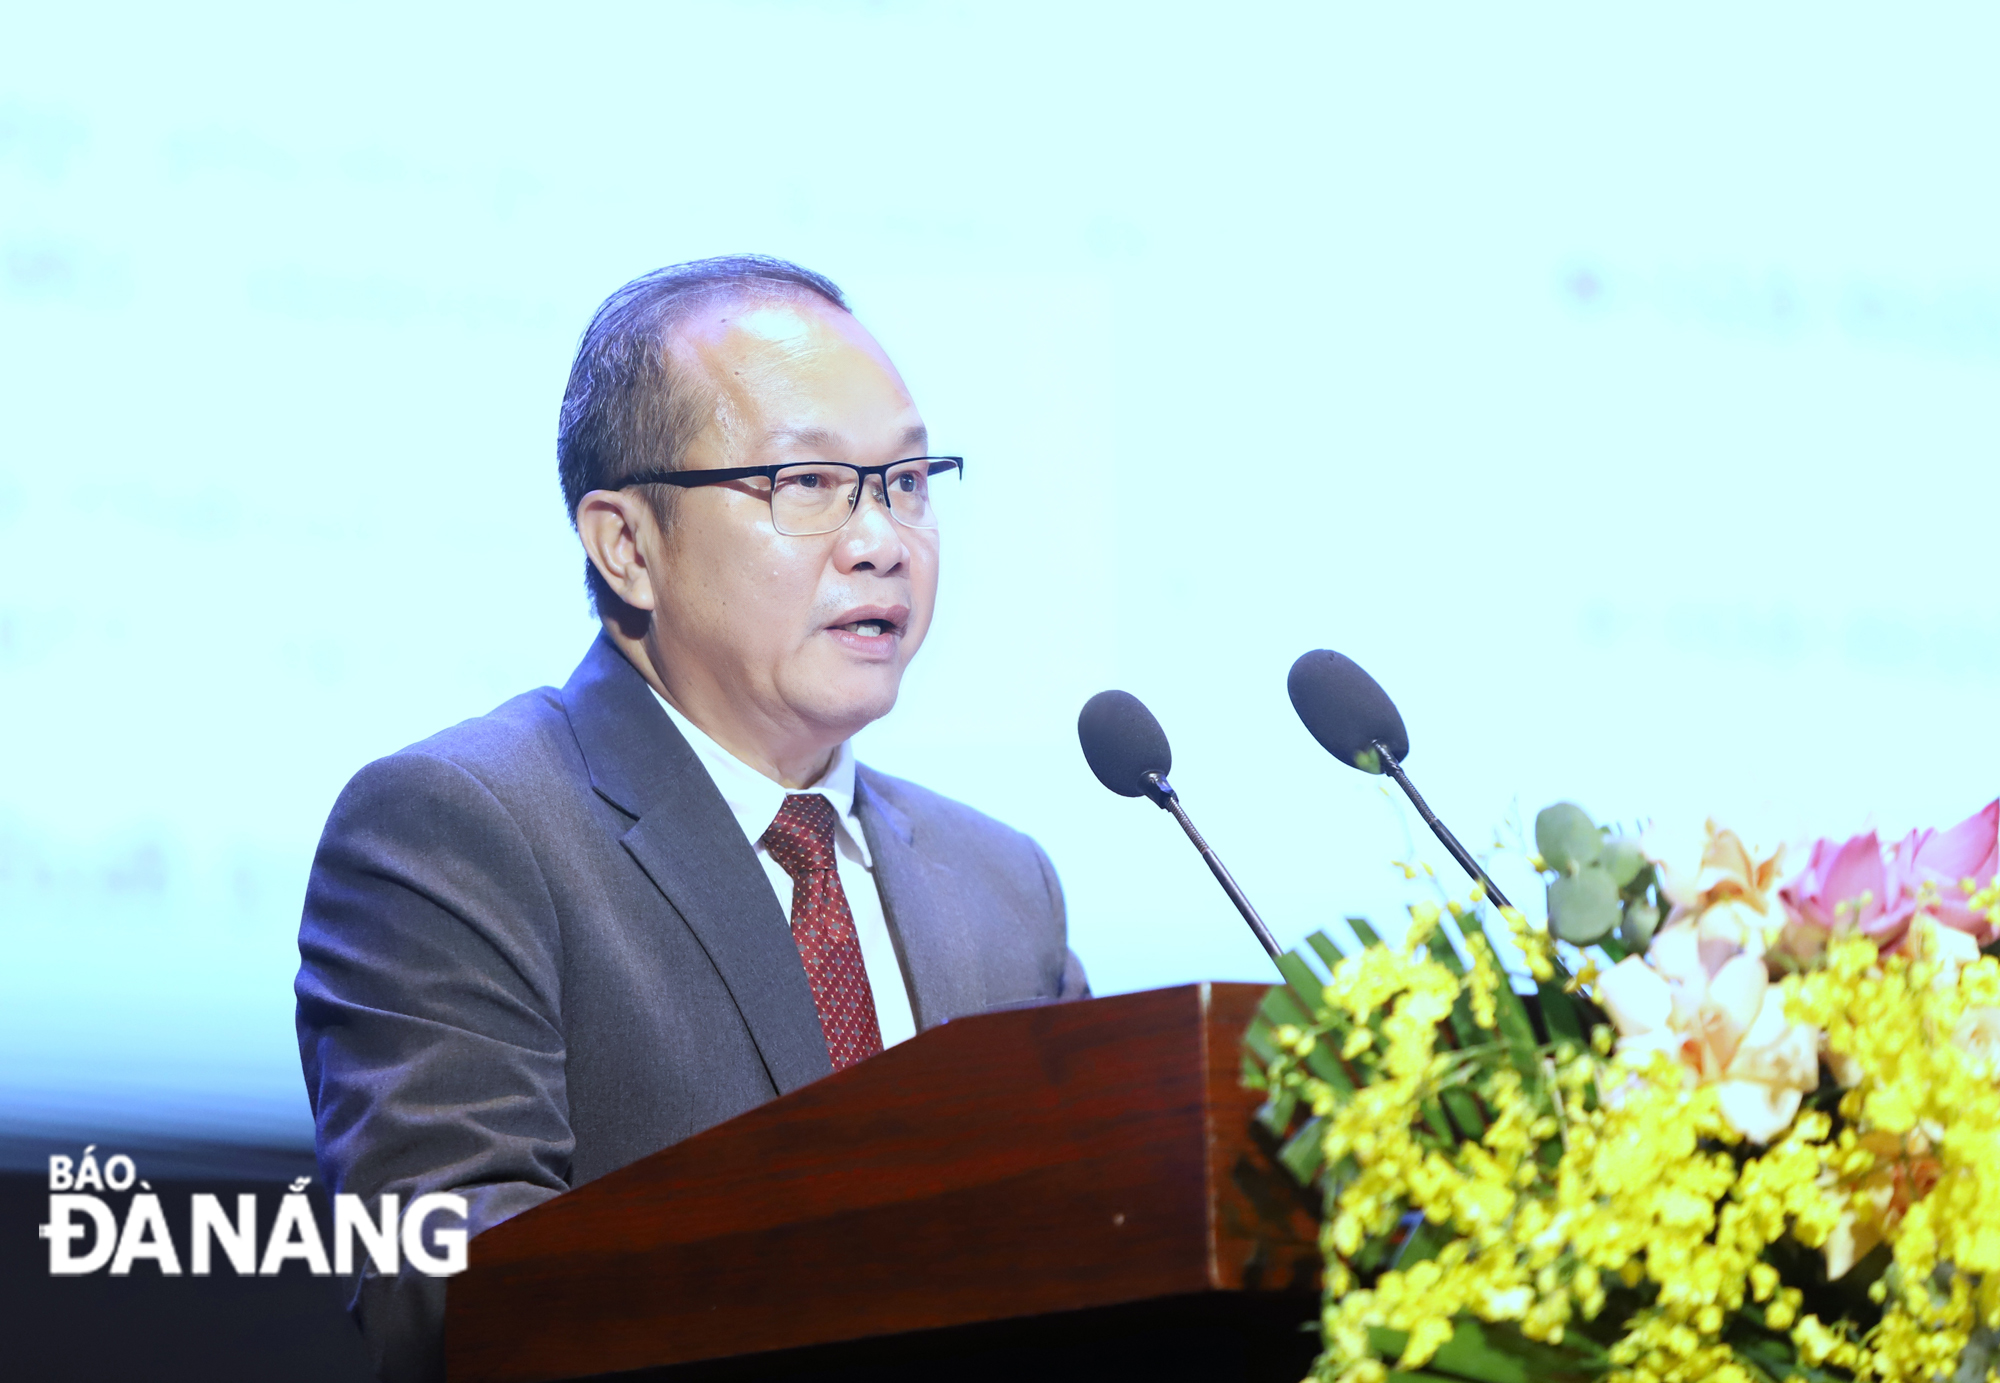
[1070, 1191]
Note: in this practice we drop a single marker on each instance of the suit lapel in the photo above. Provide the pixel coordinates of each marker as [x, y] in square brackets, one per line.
[924, 902]
[690, 846]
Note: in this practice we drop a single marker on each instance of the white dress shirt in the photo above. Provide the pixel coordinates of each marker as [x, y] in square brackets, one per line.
[755, 799]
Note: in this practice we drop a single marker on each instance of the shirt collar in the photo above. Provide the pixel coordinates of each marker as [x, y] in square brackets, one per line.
[754, 799]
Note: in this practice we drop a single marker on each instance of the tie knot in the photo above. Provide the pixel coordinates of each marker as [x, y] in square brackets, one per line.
[801, 838]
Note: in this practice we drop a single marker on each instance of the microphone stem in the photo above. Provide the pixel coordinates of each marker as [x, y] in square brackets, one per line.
[1171, 800]
[1443, 833]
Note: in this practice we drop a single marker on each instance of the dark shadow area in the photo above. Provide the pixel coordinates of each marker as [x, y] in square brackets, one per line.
[294, 1328]
[149, 1328]
[1221, 1337]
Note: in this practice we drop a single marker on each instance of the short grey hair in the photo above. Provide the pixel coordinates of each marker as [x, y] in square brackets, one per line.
[630, 407]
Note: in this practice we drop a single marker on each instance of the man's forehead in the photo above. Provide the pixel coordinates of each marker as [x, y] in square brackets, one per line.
[914, 439]
[758, 323]
[759, 344]
[797, 373]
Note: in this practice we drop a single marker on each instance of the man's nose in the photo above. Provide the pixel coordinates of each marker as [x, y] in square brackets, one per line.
[871, 538]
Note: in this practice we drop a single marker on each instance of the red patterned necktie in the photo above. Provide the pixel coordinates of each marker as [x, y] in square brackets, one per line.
[801, 841]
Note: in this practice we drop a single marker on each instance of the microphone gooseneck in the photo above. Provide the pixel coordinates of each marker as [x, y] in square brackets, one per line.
[1439, 829]
[1171, 800]
[1354, 720]
[1128, 751]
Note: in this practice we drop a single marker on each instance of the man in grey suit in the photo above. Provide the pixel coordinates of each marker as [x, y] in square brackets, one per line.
[604, 917]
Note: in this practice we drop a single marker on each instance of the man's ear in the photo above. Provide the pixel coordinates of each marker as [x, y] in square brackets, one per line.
[611, 524]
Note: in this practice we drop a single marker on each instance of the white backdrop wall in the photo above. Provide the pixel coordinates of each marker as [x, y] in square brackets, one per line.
[1620, 389]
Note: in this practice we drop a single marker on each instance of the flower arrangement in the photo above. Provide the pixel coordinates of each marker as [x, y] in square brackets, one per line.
[1745, 1127]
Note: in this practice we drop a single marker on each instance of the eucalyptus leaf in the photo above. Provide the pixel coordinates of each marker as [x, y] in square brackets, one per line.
[1622, 859]
[1583, 906]
[1567, 838]
[1642, 919]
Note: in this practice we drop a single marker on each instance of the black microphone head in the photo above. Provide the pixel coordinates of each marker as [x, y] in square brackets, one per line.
[1346, 710]
[1123, 743]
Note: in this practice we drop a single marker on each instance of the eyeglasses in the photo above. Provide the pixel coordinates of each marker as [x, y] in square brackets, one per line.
[815, 497]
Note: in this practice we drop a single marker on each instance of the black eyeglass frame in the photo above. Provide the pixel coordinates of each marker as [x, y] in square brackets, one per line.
[688, 480]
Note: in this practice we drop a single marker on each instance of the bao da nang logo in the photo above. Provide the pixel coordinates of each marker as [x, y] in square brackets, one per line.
[87, 1233]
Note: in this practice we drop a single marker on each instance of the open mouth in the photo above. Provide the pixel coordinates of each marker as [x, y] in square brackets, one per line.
[871, 629]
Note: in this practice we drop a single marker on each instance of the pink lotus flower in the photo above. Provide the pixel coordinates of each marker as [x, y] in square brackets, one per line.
[1844, 886]
[1929, 870]
[1850, 885]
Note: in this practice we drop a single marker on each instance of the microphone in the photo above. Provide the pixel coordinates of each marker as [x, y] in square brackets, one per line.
[1355, 721]
[1128, 751]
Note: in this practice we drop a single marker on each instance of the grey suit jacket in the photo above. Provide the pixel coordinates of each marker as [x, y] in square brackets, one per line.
[537, 947]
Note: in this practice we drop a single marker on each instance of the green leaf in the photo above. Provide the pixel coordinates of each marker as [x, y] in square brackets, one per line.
[1516, 1031]
[1258, 1040]
[1469, 1354]
[1252, 1076]
[1444, 953]
[1439, 1126]
[1282, 1006]
[1559, 1013]
[1464, 1026]
[1778, 1358]
[1509, 1014]
[1424, 1242]
[1302, 1152]
[1388, 1343]
[1464, 1111]
[1275, 1113]
[1583, 906]
[1324, 1062]
[1466, 1355]
[1566, 838]
[1622, 859]
[1330, 954]
[1304, 980]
